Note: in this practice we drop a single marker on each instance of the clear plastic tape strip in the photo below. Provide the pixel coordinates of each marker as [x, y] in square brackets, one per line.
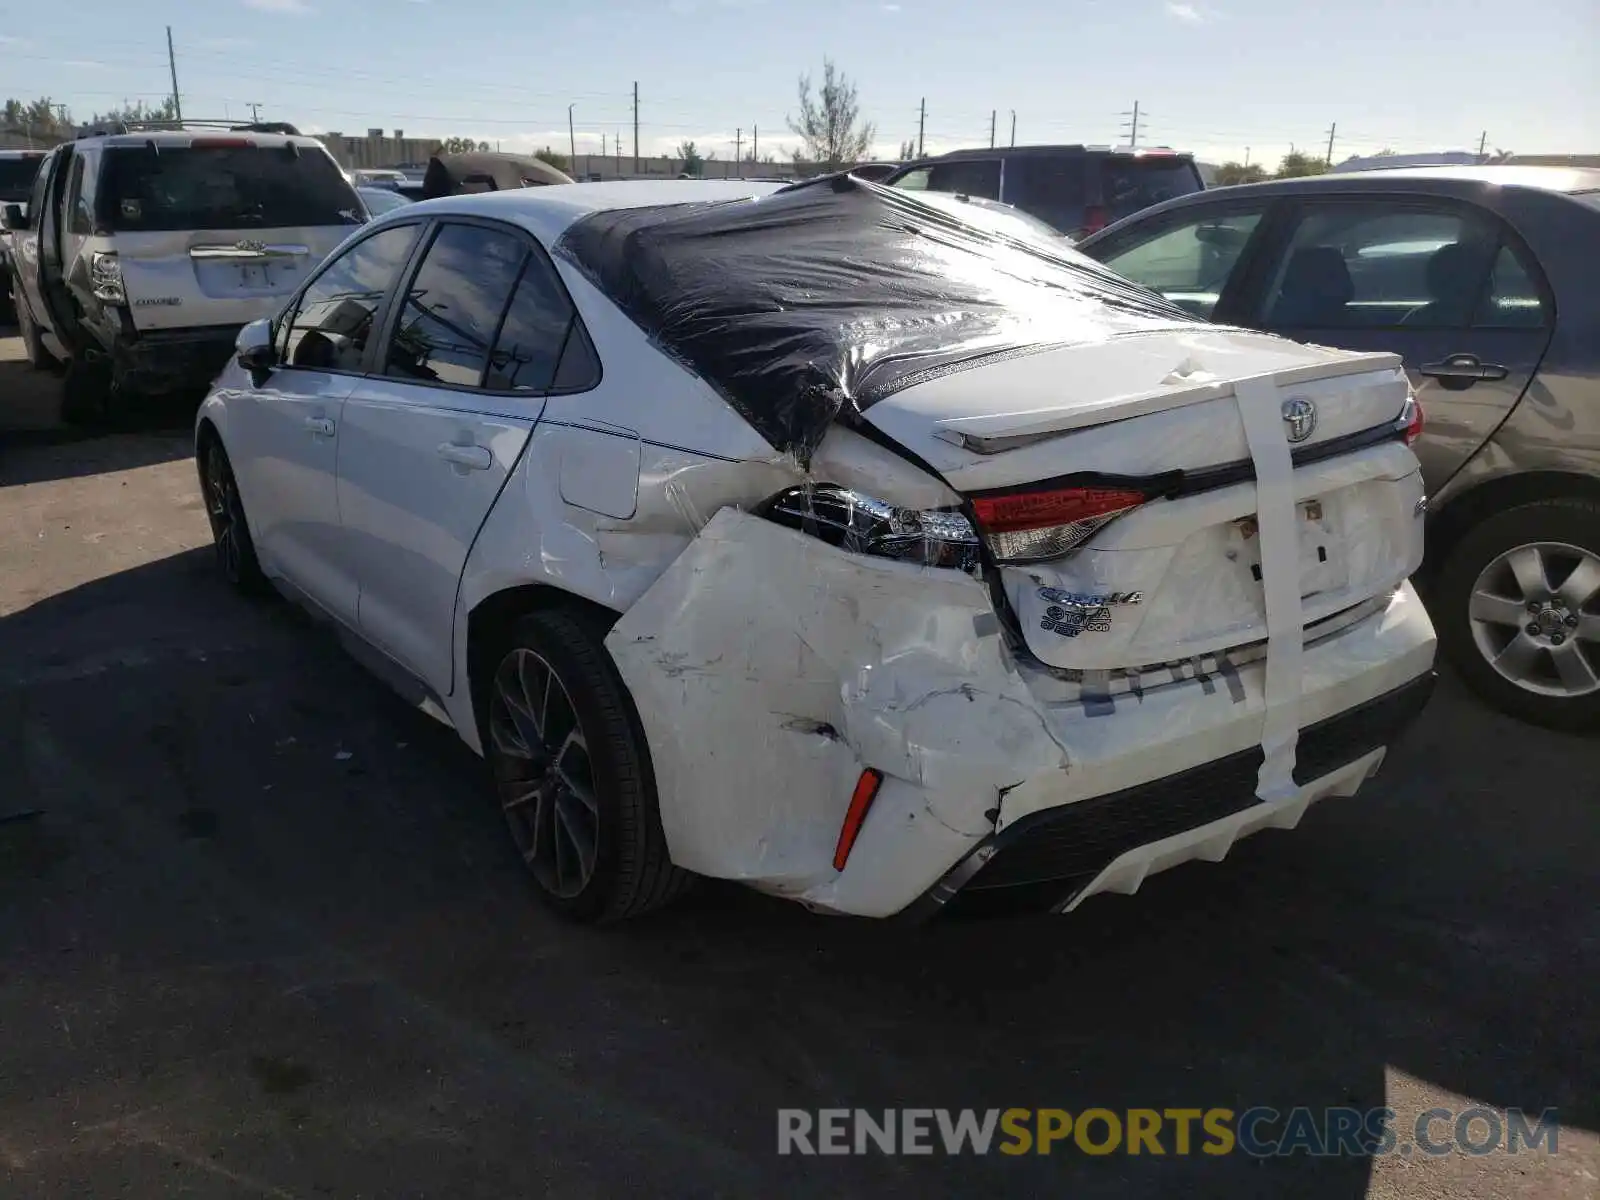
[1259, 409]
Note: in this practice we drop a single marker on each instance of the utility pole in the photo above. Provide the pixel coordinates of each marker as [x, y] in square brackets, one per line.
[255, 110]
[1133, 127]
[1013, 127]
[922, 122]
[172, 65]
[636, 127]
[738, 141]
[572, 141]
[992, 114]
[1332, 129]
[755, 143]
[1483, 140]
[1247, 156]
[602, 143]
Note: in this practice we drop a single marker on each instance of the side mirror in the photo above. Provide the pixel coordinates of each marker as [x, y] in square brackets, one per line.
[13, 219]
[254, 350]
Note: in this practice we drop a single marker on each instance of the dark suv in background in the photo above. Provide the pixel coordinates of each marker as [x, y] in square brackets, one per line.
[1077, 189]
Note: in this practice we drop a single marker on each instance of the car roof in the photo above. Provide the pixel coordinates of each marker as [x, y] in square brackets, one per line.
[549, 209]
[1441, 179]
[183, 137]
[1024, 151]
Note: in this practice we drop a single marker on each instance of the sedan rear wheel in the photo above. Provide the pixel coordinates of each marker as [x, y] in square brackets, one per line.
[573, 772]
[230, 532]
[1519, 612]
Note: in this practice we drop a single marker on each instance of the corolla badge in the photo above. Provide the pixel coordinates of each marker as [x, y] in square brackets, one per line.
[1300, 415]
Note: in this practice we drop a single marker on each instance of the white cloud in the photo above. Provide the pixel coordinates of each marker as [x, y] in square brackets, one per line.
[292, 7]
[1187, 13]
[890, 8]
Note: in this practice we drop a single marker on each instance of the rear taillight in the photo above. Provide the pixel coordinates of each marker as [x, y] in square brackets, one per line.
[1094, 219]
[1027, 527]
[105, 277]
[1410, 421]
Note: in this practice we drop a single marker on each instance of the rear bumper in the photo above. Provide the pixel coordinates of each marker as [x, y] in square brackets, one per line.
[1112, 843]
[173, 360]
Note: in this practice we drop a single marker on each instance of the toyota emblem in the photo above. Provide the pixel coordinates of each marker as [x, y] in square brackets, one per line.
[1300, 415]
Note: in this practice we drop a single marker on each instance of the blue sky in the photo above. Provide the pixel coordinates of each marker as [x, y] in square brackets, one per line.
[1214, 76]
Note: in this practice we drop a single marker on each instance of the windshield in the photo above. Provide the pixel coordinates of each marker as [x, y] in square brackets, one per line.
[223, 187]
[1132, 184]
[381, 200]
[16, 178]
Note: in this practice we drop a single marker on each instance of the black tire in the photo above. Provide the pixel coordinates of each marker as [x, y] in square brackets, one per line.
[230, 532]
[1567, 521]
[39, 358]
[86, 392]
[630, 871]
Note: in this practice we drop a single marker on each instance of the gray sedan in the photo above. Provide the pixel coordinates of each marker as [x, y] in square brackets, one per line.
[1483, 279]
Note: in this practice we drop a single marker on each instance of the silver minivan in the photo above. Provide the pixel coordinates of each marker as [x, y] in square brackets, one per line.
[143, 251]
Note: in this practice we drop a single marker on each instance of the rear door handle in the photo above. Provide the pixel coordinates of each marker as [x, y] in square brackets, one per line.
[478, 458]
[321, 426]
[1460, 371]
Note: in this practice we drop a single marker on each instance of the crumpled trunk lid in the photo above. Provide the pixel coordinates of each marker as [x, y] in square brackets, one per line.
[1181, 575]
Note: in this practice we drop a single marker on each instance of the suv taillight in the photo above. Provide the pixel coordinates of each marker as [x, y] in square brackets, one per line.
[105, 278]
[1025, 527]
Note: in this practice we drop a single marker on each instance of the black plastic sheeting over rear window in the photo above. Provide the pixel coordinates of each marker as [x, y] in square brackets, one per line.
[820, 299]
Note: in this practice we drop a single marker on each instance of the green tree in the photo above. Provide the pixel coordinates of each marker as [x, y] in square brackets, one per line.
[41, 120]
[831, 130]
[461, 145]
[908, 150]
[1297, 164]
[167, 110]
[694, 163]
[1230, 173]
[557, 160]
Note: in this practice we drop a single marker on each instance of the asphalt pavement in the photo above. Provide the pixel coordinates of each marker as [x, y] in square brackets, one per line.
[262, 935]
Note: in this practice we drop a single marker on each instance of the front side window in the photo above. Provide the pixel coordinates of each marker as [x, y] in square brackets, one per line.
[1191, 263]
[333, 321]
[1381, 266]
[452, 309]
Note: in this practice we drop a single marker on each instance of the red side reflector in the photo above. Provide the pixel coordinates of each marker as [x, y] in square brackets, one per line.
[217, 143]
[1042, 510]
[860, 801]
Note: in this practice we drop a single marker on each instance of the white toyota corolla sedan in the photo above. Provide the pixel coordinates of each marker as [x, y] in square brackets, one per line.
[829, 540]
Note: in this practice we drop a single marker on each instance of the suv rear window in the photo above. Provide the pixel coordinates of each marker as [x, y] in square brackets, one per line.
[1132, 184]
[16, 178]
[222, 187]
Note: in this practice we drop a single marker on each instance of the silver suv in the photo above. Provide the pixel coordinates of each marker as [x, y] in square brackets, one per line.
[144, 250]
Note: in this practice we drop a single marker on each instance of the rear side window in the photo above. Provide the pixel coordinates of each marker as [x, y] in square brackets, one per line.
[536, 326]
[1051, 188]
[1130, 185]
[454, 305]
[222, 187]
[1513, 300]
[333, 321]
[16, 178]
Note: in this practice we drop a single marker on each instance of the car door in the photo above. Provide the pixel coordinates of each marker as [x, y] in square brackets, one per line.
[1446, 285]
[34, 248]
[431, 437]
[284, 439]
[1195, 256]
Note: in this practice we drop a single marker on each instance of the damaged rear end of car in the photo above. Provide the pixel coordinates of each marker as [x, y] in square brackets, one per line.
[1135, 588]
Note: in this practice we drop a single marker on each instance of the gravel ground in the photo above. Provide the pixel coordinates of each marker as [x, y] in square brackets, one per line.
[262, 935]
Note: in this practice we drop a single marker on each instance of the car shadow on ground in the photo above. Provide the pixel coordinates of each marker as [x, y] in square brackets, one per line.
[258, 916]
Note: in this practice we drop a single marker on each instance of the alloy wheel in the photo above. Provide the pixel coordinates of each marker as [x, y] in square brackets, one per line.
[1535, 616]
[222, 507]
[545, 776]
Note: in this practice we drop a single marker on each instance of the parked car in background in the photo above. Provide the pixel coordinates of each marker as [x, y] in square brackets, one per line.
[376, 177]
[142, 253]
[379, 200]
[1076, 189]
[1484, 279]
[17, 171]
[978, 569]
